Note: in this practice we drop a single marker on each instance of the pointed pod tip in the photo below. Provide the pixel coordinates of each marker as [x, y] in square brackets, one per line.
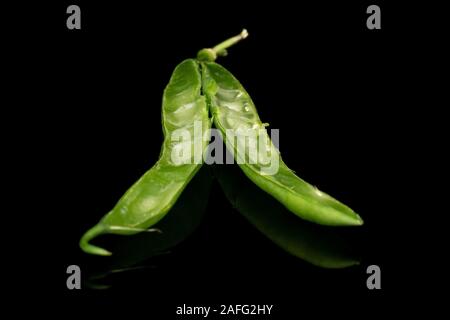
[347, 220]
[91, 249]
[354, 221]
[360, 220]
[88, 236]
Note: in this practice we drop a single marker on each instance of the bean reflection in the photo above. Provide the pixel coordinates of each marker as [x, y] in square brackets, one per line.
[317, 245]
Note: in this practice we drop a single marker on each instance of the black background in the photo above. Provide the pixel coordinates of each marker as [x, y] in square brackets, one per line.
[335, 89]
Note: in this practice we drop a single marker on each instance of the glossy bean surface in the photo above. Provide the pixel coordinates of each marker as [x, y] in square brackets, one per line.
[233, 110]
[184, 111]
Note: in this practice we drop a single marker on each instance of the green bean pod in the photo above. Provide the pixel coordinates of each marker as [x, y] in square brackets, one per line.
[184, 109]
[233, 112]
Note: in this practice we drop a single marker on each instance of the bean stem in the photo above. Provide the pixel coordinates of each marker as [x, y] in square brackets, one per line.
[211, 54]
[221, 47]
